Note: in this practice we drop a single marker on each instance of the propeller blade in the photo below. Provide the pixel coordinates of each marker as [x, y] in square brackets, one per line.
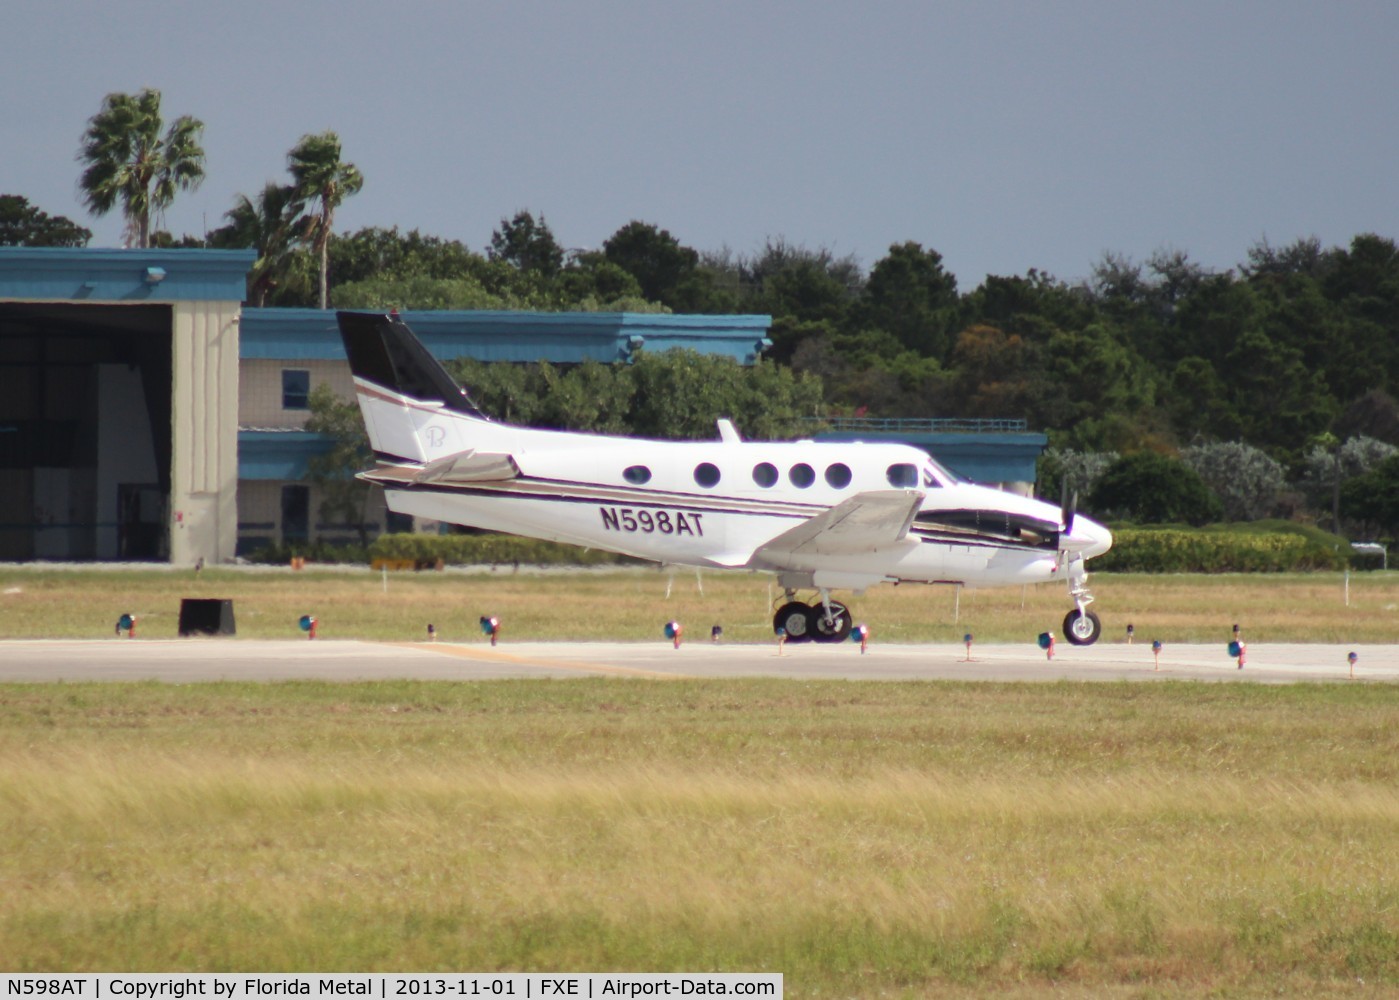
[1068, 507]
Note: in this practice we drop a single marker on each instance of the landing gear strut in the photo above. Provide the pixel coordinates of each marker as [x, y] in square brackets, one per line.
[1081, 626]
[826, 621]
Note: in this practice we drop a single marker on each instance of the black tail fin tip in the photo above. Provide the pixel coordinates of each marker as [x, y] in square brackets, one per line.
[384, 351]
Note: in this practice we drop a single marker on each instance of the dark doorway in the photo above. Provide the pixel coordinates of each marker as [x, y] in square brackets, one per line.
[296, 513]
[140, 522]
[85, 401]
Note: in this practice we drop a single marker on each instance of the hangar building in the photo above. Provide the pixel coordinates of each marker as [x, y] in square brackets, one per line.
[145, 414]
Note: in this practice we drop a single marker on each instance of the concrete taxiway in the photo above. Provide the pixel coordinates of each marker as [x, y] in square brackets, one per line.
[199, 660]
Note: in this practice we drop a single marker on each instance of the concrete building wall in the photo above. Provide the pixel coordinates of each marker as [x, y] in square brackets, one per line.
[204, 464]
[260, 390]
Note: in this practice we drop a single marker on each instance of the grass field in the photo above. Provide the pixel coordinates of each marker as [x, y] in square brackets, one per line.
[631, 605]
[891, 839]
[866, 840]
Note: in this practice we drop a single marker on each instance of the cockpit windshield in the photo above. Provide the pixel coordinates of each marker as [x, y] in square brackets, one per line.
[935, 474]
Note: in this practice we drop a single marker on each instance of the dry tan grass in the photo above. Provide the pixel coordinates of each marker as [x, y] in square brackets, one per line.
[870, 840]
[633, 605]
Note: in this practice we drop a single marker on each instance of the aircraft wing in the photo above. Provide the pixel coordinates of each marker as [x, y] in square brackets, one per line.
[864, 523]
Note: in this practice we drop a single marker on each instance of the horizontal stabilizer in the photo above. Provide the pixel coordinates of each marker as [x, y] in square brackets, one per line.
[470, 467]
[463, 467]
[864, 523]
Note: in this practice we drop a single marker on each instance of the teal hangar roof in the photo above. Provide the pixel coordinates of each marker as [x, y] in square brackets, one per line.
[82, 274]
[489, 335]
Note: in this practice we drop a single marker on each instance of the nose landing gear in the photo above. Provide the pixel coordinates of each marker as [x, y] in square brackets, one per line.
[1081, 626]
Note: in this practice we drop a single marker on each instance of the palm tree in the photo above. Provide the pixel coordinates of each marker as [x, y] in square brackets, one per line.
[318, 175]
[268, 225]
[129, 160]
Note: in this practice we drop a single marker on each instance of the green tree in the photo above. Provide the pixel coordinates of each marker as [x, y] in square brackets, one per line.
[127, 159]
[267, 225]
[343, 497]
[658, 261]
[1375, 414]
[999, 374]
[1198, 402]
[1089, 374]
[375, 252]
[1150, 488]
[910, 295]
[24, 225]
[1372, 499]
[321, 181]
[527, 245]
[1279, 402]
[794, 283]
[591, 282]
[586, 397]
[419, 292]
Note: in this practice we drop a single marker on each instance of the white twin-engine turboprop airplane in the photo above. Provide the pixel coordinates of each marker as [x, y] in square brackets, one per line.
[822, 516]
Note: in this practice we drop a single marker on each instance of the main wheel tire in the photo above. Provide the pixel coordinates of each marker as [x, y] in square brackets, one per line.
[1082, 629]
[837, 630]
[793, 619]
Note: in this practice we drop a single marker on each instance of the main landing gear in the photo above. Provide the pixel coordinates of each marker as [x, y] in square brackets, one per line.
[826, 621]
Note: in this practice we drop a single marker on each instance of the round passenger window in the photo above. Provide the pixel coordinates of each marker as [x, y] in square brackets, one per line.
[765, 474]
[838, 475]
[707, 474]
[903, 475]
[802, 475]
[637, 475]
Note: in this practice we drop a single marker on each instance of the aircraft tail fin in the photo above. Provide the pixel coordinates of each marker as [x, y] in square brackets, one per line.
[413, 410]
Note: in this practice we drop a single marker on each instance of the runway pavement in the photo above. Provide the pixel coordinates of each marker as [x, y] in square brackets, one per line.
[194, 660]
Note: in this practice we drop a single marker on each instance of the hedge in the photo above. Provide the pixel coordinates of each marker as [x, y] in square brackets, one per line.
[1234, 550]
[491, 550]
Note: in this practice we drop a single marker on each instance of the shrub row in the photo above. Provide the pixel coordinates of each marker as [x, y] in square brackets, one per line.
[1226, 549]
[490, 550]
[1143, 550]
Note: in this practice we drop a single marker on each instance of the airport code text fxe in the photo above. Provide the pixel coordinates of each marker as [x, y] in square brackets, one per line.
[520, 985]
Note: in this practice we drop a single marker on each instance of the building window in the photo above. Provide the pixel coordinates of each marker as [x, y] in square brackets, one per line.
[296, 389]
[765, 475]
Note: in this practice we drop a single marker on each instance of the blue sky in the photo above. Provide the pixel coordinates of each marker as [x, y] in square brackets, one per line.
[1007, 136]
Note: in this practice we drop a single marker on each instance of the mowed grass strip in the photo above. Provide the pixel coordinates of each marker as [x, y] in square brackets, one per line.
[892, 839]
[633, 605]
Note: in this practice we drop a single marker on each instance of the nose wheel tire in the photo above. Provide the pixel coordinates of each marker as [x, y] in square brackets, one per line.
[837, 630]
[794, 619]
[1082, 628]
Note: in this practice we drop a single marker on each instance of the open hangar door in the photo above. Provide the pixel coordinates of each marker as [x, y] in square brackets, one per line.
[85, 431]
